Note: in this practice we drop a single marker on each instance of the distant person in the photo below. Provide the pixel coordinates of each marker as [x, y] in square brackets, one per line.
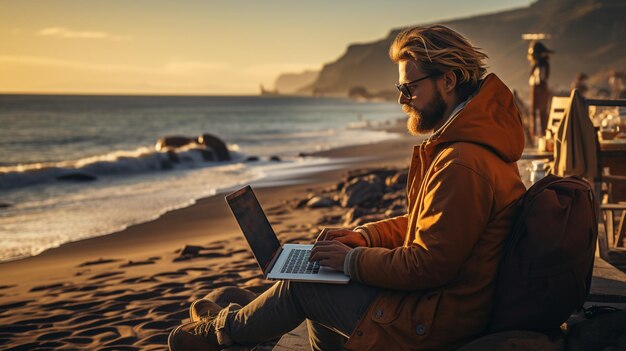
[617, 83]
[539, 55]
[424, 280]
[580, 83]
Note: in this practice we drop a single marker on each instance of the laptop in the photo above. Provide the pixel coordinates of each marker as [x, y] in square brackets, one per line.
[286, 262]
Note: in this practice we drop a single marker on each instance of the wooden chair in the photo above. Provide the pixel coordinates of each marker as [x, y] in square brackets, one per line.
[557, 112]
[611, 242]
[613, 218]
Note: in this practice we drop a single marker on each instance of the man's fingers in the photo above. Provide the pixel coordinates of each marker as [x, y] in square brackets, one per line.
[328, 234]
[319, 249]
[323, 249]
[331, 234]
[346, 236]
[327, 245]
[319, 256]
[346, 240]
[322, 236]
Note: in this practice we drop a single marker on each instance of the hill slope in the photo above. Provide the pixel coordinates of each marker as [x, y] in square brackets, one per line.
[587, 35]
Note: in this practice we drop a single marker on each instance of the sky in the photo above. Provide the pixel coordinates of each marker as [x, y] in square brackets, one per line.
[204, 47]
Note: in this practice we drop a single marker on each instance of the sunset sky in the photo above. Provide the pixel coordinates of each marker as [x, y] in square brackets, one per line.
[193, 47]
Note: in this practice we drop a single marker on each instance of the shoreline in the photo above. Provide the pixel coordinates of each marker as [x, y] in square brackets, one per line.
[125, 241]
[128, 290]
[187, 194]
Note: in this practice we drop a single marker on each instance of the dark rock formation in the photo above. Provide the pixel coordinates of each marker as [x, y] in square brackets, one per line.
[207, 154]
[301, 203]
[381, 173]
[352, 215]
[361, 191]
[77, 176]
[191, 250]
[320, 202]
[173, 142]
[398, 180]
[211, 147]
[216, 144]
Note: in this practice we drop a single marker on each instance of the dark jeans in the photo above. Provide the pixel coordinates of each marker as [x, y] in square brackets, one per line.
[332, 312]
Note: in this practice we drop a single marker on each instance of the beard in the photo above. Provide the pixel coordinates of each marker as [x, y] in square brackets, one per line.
[424, 121]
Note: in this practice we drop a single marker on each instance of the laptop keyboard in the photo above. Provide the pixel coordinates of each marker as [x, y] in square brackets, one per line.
[298, 263]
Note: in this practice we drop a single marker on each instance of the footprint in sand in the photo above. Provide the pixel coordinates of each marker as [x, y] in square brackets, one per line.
[81, 306]
[47, 287]
[54, 335]
[106, 275]
[98, 261]
[136, 263]
[169, 285]
[110, 293]
[137, 296]
[170, 274]
[46, 320]
[16, 304]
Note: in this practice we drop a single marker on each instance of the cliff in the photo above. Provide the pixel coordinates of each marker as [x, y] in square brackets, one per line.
[293, 83]
[587, 36]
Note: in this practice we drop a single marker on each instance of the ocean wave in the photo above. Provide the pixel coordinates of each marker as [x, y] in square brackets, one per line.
[120, 162]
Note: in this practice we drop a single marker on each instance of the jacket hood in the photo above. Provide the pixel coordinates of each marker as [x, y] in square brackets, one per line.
[490, 118]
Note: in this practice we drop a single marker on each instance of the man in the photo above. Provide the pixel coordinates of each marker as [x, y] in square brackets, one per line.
[539, 58]
[420, 281]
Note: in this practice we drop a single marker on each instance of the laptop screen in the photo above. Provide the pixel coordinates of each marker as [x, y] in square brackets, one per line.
[254, 225]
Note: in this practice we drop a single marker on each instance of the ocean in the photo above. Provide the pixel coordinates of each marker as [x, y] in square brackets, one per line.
[74, 167]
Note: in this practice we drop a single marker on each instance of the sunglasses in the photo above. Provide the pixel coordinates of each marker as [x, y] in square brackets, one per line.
[404, 87]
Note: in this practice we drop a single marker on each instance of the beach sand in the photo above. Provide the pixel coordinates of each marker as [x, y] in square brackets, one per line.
[127, 290]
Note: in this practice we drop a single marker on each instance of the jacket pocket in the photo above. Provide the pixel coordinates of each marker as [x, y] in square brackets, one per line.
[413, 313]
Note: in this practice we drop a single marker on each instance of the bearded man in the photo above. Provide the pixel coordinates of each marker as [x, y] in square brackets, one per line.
[424, 280]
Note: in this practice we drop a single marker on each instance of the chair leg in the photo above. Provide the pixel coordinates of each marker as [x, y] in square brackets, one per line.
[603, 246]
[621, 230]
[608, 228]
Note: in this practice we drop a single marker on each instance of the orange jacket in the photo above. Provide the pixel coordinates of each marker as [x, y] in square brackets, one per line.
[437, 264]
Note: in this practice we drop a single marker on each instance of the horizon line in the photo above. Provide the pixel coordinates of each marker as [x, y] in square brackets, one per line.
[3, 93]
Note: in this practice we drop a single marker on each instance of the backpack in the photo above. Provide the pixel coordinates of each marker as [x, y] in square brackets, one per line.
[545, 273]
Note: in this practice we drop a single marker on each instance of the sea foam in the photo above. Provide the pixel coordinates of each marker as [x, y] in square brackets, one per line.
[121, 162]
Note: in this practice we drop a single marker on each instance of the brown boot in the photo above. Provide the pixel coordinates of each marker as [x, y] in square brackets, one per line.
[203, 308]
[194, 336]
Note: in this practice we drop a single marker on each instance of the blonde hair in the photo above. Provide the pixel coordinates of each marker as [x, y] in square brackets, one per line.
[439, 49]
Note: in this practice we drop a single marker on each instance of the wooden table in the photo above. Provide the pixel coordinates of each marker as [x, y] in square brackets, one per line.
[535, 154]
[613, 157]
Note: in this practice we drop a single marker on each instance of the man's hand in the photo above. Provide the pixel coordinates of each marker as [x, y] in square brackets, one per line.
[348, 237]
[330, 254]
